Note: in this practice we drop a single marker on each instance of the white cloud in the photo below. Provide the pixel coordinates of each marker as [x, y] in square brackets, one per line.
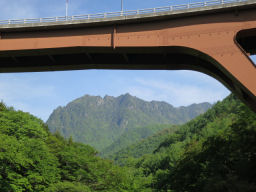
[18, 9]
[27, 94]
[24, 86]
[177, 93]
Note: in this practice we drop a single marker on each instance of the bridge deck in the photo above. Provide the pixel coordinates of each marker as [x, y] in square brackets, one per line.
[126, 16]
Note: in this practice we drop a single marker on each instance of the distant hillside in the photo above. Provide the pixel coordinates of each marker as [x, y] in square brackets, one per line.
[101, 121]
[142, 146]
[138, 135]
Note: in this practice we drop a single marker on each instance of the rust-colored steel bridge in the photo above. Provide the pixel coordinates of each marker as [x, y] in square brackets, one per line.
[216, 40]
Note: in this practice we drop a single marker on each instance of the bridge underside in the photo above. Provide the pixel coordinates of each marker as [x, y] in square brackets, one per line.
[133, 58]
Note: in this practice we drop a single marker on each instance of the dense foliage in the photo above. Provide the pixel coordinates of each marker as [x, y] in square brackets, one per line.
[223, 162]
[100, 122]
[214, 152]
[33, 159]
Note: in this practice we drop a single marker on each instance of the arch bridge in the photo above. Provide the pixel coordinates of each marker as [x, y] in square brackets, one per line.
[215, 37]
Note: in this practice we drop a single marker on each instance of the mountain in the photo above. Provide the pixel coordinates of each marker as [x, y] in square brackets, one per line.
[101, 121]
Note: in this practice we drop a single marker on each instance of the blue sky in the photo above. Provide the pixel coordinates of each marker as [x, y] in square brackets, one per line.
[41, 93]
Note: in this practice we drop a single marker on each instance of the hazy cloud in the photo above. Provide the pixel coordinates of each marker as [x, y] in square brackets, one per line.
[18, 9]
[28, 94]
[177, 93]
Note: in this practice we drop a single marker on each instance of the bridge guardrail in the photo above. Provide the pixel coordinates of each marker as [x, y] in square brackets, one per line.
[119, 13]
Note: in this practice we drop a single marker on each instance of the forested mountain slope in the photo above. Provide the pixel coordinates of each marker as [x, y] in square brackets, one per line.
[214, 152]
[101, 121]
[147, 145]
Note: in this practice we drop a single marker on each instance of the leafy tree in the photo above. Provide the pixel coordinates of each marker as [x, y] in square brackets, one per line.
[222, 162]
[68, 187]
[33, 159]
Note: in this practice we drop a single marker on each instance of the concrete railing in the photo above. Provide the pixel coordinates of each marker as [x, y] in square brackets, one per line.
[121, 13]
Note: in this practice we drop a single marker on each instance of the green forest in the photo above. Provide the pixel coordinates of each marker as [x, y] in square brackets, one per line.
[216, 151]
